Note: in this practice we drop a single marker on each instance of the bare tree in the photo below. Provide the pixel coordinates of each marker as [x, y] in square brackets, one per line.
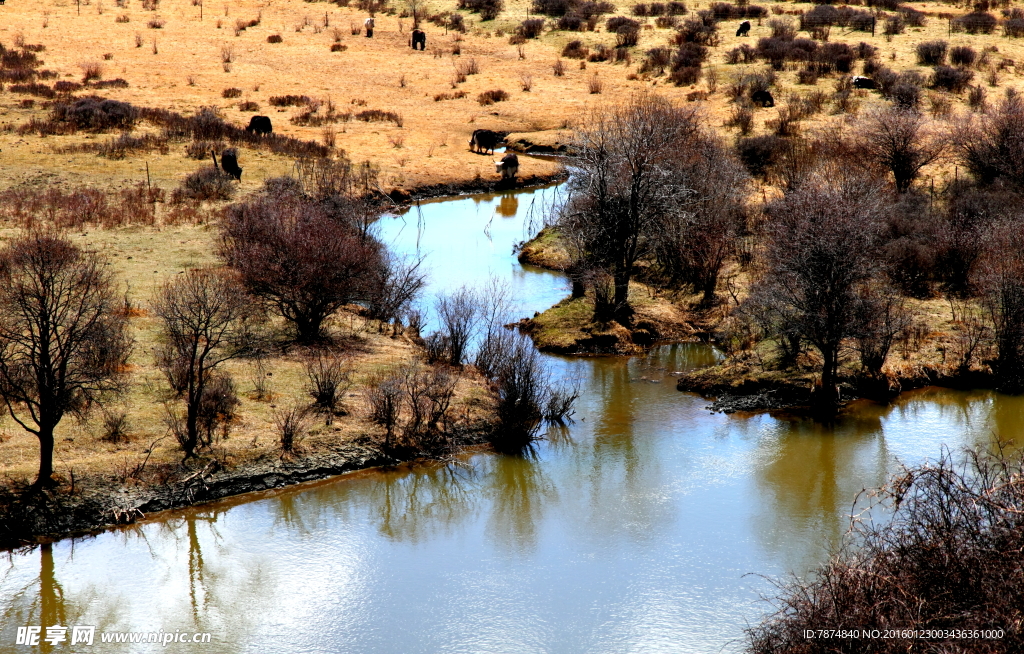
[459, 313]
[394, 287]
[623, 184]
[1003, 282]
[821, 251]
[884, 316]
[206, 319]
[992, 145]
[63, 343]
[696, 235]
[303, 260]
[901, 142]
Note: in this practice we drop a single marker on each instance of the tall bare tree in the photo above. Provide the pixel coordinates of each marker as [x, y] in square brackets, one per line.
[1003, 284]
[623, 184]
[821, 252]
[206, 319]
[901, 142]
[63, 342]
[992, 145]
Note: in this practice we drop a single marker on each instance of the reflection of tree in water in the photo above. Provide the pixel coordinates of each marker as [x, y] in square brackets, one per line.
[811, 476]
[519, 493]
[41, 602]
[222, 585]
[621, 474]
[413, 505]
[508, 206]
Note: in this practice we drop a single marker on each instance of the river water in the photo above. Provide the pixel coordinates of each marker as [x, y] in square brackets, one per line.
[649, 525]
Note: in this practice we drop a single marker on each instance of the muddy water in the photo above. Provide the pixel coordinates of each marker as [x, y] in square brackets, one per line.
[635, 530]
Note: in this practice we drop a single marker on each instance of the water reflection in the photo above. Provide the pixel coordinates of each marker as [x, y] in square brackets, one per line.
[632, 530]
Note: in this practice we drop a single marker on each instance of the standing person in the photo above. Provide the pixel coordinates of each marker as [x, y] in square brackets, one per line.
[368, 24]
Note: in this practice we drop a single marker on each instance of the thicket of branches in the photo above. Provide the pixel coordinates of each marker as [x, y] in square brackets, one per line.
[831, 263]
[948, 559]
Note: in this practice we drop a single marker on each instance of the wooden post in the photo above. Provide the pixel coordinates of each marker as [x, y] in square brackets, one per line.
[149, 189]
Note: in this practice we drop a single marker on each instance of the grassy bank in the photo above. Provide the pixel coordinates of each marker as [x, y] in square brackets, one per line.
[753, 375]
[107, 477]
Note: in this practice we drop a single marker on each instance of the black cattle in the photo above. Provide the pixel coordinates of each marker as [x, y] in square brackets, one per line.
[229, 163]
[260, 125]
[864, 83]
[763, 98]
[744, 28]
[419, 38]
[484, 140]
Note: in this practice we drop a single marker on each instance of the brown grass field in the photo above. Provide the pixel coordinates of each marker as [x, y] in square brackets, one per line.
[181, 66]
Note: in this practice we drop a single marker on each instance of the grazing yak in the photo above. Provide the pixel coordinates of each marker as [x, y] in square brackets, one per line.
[861, 82]
[229, 163]
[508, 167]
[368, 24]
[419, 38]
[260, 125]
[744, 28]
[484, 140]
[763, 98]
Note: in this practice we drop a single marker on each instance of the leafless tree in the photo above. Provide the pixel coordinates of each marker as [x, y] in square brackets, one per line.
[459, 313]
[696, 235]
[393, 287]
[821, 251]
[206, 319]
[1003, 283]
[992, 145]
[900, 141]
[63, 343]
[300, 258]
[884, 315]
[624, 183]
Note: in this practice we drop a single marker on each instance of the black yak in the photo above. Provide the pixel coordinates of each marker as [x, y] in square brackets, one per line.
[484, 140]
[763, 98]
[260, 125]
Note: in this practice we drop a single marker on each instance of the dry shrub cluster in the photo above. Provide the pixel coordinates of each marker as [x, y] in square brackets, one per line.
[660, 9]
[948, 558]
[492, 96]
[379, 116]
[78, 208]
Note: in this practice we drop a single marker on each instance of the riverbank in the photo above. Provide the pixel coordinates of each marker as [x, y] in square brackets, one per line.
[84, 506]
[931, 351]
[121, 462]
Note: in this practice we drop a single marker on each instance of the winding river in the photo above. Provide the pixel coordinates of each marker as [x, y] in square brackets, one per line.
[649, 525]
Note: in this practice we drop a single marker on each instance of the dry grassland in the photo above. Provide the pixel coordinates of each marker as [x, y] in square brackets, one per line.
[187, 71]
[181, 66]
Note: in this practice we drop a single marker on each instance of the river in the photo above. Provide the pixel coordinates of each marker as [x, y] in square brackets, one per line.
[649, 525]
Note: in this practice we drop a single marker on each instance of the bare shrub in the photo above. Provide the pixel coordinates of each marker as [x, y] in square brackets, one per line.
[594, 84]
[990, 145]
[492, 96]
[231, 93]
[559, 68]
[946, 547]
[329, 376]
[292, 425]
[901, 142]
[931, 53]
[209, 183]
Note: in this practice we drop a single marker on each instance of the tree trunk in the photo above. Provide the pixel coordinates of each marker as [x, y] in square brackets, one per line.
[45, 477]
[829, 397]
[192, 424]
[623, 312]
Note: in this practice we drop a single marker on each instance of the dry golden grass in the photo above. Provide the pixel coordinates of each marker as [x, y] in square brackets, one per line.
[383, 72]
[145, 258]
[187, 72]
